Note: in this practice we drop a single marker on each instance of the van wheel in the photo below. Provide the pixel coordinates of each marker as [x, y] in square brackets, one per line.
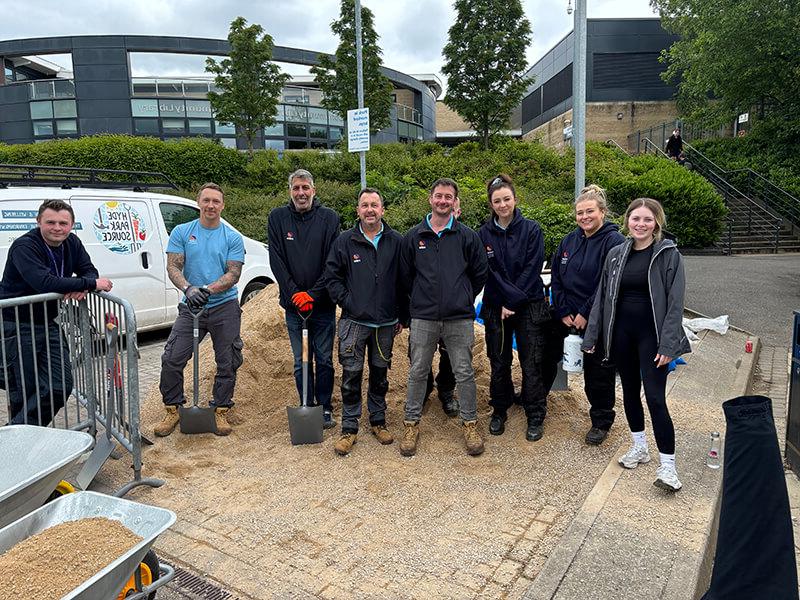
[252, 289]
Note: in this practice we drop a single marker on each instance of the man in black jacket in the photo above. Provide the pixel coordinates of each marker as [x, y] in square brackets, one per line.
[444, 263]
[49, 258]
[300, 237]
[363, 277]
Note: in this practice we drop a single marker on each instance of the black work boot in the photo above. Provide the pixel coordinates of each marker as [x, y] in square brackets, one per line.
[449, 403]
[498, 423]
[535, 429]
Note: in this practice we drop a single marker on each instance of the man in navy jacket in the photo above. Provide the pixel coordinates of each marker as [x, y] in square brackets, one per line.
[444, 263]
[301, 235]
[48, 258]
[363, 277]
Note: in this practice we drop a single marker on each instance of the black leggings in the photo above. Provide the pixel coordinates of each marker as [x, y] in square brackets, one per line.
[633, 348]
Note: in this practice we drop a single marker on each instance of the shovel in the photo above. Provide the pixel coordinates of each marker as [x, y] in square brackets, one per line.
[196, 419]
[305, 422]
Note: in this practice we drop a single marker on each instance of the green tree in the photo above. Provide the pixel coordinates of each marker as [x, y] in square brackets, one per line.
[337, 76]
[249, 81]
[485, 63]
[742, 53]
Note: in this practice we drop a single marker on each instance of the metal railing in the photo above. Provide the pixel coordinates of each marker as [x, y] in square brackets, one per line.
[659, 134]
[649, 147]
[760, 188]
[613, 144]
[74, 364]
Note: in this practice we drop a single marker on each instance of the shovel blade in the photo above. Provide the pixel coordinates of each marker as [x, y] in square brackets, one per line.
[305, 424]
[100, 453]
[195, 419]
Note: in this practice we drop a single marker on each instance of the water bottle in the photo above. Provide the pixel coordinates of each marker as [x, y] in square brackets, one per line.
[712, 461]
[573, 355]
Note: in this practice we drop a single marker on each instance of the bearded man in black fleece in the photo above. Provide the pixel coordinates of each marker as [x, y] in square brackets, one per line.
[301, 235]
[47, 259]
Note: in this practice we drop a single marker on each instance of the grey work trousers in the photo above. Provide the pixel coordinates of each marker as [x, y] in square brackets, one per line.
[458, 336]
[223, 322]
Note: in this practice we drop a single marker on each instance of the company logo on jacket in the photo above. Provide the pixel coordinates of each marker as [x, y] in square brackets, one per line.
[422, 245]
[564, 257]
[289, 236]
[489, 251]
[356, 258]
[192, 239]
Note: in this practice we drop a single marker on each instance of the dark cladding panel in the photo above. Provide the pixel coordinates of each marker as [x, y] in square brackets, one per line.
[101, 73]
[532, 105]
[112, 125]
[99, 56]
[557, 89]
[104, 108]
[627, 70]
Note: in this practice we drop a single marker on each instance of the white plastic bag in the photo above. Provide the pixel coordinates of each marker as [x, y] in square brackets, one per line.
[719, 324]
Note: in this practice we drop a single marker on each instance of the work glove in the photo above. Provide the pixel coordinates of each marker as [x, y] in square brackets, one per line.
[196, 296]
[303, 301]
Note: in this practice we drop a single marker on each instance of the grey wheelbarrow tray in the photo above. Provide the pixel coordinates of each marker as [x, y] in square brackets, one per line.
[32, 462]
[145, 521]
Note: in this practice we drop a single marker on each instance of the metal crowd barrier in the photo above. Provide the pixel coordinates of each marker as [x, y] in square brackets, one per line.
[73, 364]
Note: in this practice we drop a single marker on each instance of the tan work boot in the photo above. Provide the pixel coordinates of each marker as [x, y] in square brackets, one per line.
[221, 421]
[408, 445]
[345, 444]
[168, 423]
[473, 438]
[383, 435]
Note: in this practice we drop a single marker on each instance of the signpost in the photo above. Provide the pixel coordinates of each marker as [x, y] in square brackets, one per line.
[362, 157]
[358, 130]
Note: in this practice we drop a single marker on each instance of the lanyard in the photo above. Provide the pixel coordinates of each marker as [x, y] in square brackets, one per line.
[59, 273]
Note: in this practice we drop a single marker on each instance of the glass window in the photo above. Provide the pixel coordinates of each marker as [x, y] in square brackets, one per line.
[295, 130]
[42, 89]
[275, 144]
[335, 119]
[317, 115]
[276, 129]
[67, 127]
[297, 114]
[402, 129]
[199, 108]
[42, 128]
[296, 145]
[41, 110]
[319, 132]
[144, 88]
[224, 128]
[319, 144]
[144, 108]
[419, 133]
[335, 133]
[195, 88]
[171, 108]
[200, 126]
[64, 108]
[228, 142]
[170, 88]
[279, 114]
[146, 126]
[173, 125]
[64, 88]
[177, 214]
[9, 74]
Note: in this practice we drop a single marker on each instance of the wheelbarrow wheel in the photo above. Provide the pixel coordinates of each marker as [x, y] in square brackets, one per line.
[149, 570]
[62, 489]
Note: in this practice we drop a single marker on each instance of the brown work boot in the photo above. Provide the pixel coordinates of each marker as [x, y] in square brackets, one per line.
[473, 438]
[383, 435]
[169, 422]
[408, 445]
[221, 421]
[345, 443]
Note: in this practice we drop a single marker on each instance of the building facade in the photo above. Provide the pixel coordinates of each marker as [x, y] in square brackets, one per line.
[101, 96]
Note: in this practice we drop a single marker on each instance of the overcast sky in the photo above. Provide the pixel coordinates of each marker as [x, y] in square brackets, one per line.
[412, 32]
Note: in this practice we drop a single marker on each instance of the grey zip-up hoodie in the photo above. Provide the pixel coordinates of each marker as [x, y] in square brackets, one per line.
[667, 286]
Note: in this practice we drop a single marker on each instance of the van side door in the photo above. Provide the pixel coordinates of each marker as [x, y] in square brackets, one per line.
[124, 242]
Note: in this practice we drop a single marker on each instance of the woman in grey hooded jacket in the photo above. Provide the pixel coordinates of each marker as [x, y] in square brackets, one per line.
[637, 322]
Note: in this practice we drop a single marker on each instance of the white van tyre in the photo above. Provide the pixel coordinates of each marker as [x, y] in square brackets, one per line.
[252, 289]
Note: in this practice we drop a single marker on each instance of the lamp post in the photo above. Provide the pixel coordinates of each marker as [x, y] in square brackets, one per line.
[579, 93]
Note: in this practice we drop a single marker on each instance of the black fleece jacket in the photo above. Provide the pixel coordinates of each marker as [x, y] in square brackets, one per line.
[445, 273]
[364, 281]
[299, 244]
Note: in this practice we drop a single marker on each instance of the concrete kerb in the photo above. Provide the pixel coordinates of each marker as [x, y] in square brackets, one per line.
[690, 573]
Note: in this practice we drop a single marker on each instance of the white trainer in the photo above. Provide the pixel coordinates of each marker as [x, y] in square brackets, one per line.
[667, 478]
[635, 456]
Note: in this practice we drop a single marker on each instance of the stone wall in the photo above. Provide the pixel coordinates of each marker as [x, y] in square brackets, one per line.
[448, 120]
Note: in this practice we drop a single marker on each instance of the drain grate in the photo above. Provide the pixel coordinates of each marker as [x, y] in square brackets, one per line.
[199, 588]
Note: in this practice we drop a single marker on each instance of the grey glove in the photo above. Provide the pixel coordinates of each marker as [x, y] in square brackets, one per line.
[197, 297]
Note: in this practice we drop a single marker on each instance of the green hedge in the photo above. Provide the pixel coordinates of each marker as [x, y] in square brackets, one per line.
[543, 178]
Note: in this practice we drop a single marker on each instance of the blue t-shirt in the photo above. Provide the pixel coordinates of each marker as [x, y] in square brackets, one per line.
[206, 252]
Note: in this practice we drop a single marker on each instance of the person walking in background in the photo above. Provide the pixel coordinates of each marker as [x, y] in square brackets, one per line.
[204, 260]
[674, 146]
[363, 277]
[47, 259]
[444, 266]
[300, 236]
[514, 305]
[575, 275]
[637, 322]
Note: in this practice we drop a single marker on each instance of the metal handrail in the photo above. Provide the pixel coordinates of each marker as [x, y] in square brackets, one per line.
[657, 150]
[610, 142]
[774, 195]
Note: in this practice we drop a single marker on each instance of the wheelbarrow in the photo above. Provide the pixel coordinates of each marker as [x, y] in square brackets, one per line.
[145, 521]
[32, 462]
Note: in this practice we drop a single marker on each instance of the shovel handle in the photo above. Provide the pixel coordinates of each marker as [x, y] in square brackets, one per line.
[196, 356]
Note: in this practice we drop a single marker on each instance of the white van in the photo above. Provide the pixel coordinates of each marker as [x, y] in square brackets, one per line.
[126, 234]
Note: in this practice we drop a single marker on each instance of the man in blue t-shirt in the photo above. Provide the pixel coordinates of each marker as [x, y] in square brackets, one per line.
[204, 259]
